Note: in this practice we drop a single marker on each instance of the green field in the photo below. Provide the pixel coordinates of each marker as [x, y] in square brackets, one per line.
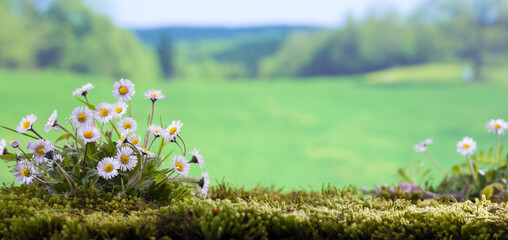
[291, 134]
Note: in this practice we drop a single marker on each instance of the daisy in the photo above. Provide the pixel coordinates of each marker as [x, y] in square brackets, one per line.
[40, 148]
[127, 125]
[83, 90]
[52, 123]
[134, 139]
[26, 123]
[125, 158]
[466, 146]
[108, 168]
[104, 112]
[145, 151]
[123, 139]
[120, 108]
[204, 183]
[25, 172]
[124, 90]
[89, 133]
[157, 131]
[174, 128]
[197, 158]
[422, 147]
[53, 163]
[181, 165]
[498, 126]
[154, 95]
[81, 117]
[3, 148]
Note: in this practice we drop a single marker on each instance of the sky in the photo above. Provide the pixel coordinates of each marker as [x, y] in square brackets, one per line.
[239, 13]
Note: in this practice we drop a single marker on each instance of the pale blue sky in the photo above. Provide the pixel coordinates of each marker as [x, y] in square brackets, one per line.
[233, 13]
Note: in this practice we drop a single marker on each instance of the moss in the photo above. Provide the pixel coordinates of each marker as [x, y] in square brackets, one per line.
[27, 213]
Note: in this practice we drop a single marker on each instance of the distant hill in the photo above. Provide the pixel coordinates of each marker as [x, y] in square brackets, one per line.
[192, 34]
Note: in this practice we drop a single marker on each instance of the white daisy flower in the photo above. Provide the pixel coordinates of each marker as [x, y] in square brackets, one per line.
[126, 159]
[127, 125]
[204, 183]
[181, 165]
[422, 146]
[52, 164]
[81, 117]
[145, 151]
[108, 168]
[89, 134]
[157, 131]
[52, 123]
[120, 108]
[134, 139]
[174, 128]
[83, 90]
[466, 146]
[123, 139]
[124, 90]
[26, 123]
[25, 172]
[154, 95]
[40, 148]
[498, 126]
[3, 148]
[104, 112]
[197, 158]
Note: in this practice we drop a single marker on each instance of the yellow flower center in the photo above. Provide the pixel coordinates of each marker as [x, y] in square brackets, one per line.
[179, 166]
[82, 117]
[172, 130]
[108, 167]
[157, 131]
[40, 150]
[124, 159]
[122, 90]
[118, 110]
[127, 125]
[88, 134]
[25, 172]
[104, 112]
[154, 95]
[135, 141]
[497, 126]
[26, 124]
[465, 145]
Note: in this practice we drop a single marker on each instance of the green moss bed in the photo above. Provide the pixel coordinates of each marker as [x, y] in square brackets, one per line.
[259, 213]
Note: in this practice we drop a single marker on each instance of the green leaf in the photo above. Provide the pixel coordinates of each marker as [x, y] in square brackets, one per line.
[457, 170]
[401, 172]
[487, 191]
[62, 137]
[8, 157]
[159, 177]
[92, 107]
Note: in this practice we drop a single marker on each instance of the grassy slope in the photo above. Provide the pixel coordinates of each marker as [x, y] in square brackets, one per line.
[288, 133]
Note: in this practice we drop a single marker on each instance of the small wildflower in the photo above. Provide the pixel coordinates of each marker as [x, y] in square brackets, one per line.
[127, 125]
[498, 126]
[466, 146]
[108, 167]
[89, 134]
[174, 128]
[157, 131]
[119, 109]
[181, 165]
[104, 112]
[26, 123]
[197, 158]
[126, 159]
[14, 144]
[81, 117]
[40, 148]
[204, 184]
[124, 90]
[3, 148]
[83, 90]
[52, 122]
[154, 95]
[145, 151]
[53, 163]
[422, 146]
[134, 139]
[25, 172]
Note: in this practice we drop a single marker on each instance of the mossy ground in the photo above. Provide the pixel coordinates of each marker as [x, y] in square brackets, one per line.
[261, 213]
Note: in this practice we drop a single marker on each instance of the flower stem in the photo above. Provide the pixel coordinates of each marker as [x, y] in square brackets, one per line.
[150, 123]
[167, 178]
[184, 146]
[152, 142]
[84, 161]
[436, 164]
[471, 167]
[36, 133]
[497, 148]
[130, 108]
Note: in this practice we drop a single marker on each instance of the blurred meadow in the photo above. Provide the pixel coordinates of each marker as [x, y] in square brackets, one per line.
[296, 105]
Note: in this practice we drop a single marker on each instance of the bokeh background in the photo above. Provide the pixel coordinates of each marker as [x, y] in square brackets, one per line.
[294, 94]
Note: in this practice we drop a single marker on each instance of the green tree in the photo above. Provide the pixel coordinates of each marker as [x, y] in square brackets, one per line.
[165, 53]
